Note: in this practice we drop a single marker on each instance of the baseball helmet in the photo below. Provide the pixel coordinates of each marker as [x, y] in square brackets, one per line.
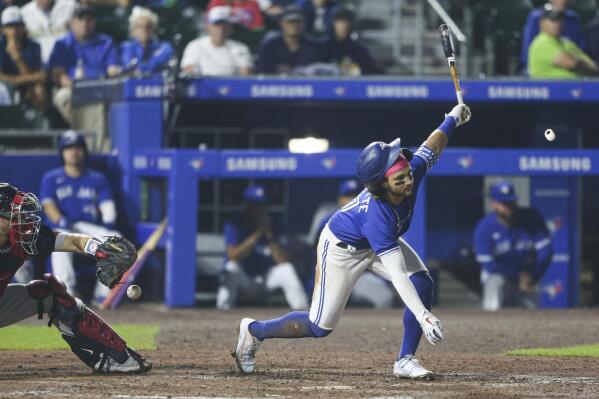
[376, 158]
[21, 209]
[71, 138]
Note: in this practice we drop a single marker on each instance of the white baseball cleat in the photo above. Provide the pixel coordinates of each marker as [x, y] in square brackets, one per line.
[409, 367]
[245, 353]
[134, 364]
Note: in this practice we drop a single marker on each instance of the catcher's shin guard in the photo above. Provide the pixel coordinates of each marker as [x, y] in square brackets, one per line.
[90, 337]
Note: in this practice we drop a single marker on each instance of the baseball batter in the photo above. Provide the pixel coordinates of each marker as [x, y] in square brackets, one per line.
[23, 236]
[366, 234]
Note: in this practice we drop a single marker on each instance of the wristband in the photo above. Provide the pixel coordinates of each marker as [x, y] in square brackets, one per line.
[91, 247]
[448, 125]
[428, 155]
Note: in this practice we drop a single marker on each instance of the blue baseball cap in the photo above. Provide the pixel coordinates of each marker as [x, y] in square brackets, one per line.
[255, 194]
[350, 187]
[503, 192]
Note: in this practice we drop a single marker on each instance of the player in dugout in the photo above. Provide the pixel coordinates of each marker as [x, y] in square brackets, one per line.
[366, 234]
[513, 248]
[78, 199]
[256, 264]
[22, 236]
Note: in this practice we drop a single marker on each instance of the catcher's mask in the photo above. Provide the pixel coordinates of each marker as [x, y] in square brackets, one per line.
[24, 221]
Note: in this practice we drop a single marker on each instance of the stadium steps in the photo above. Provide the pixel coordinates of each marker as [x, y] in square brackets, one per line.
[398, 36]
[454, 293]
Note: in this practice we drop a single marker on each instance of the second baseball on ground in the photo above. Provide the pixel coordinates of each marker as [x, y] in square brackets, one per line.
[134, 291]
[549, 134]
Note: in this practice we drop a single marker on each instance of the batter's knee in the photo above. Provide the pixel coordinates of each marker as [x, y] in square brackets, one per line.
[318, 332]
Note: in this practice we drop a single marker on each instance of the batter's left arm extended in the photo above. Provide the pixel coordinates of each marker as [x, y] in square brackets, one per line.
[437, 141]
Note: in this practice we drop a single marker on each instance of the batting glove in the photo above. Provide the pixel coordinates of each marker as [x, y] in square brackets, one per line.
[431, 327]
[461, 113]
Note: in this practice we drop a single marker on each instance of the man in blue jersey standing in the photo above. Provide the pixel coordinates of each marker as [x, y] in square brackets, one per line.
[77, 199]
[366, 234]
[513, 248]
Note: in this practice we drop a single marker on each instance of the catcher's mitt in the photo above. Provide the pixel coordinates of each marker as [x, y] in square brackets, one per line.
[114, 257]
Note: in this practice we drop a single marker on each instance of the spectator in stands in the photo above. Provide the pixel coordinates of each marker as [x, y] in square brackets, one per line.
[319, 15]
[47, 21]
[144, 54]
[82, 54]
[284, 52]
[77, 199]
[255, 263]
[20, 59]
[215, 54]
[554, 56]
[245, 13]
[513, 248]
[351, 57]
[369, 289]
[572, 27]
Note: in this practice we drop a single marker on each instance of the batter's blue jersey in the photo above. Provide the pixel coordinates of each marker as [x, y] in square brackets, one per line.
[374, 223]
[77, 198]
[525, 246]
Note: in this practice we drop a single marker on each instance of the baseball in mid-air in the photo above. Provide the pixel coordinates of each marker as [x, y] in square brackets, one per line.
[549, 134]
[134, 292]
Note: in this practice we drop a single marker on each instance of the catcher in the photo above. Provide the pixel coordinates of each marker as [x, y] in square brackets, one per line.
[21, 236]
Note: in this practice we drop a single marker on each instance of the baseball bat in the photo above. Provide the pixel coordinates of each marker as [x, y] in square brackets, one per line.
[116, 294]
[449, 50]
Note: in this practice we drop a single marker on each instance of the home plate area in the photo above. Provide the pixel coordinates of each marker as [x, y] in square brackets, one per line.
[192, 358]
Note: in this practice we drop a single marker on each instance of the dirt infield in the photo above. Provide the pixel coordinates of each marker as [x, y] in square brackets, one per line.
[193, 359]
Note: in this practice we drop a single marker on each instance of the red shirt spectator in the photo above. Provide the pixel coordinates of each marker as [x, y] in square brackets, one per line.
[244, 12]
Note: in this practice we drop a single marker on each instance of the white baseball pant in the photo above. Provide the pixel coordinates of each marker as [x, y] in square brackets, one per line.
[62, 262]
[337, 271]
[16, 304]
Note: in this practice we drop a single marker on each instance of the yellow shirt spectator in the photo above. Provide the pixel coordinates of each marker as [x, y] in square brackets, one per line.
[543, 52]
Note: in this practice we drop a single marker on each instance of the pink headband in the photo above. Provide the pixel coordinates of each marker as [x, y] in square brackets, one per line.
[401, 163]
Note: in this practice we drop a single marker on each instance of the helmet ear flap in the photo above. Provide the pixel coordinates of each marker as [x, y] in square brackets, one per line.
[406, 152]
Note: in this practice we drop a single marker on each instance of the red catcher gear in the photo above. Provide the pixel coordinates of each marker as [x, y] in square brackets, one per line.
[90, 337]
